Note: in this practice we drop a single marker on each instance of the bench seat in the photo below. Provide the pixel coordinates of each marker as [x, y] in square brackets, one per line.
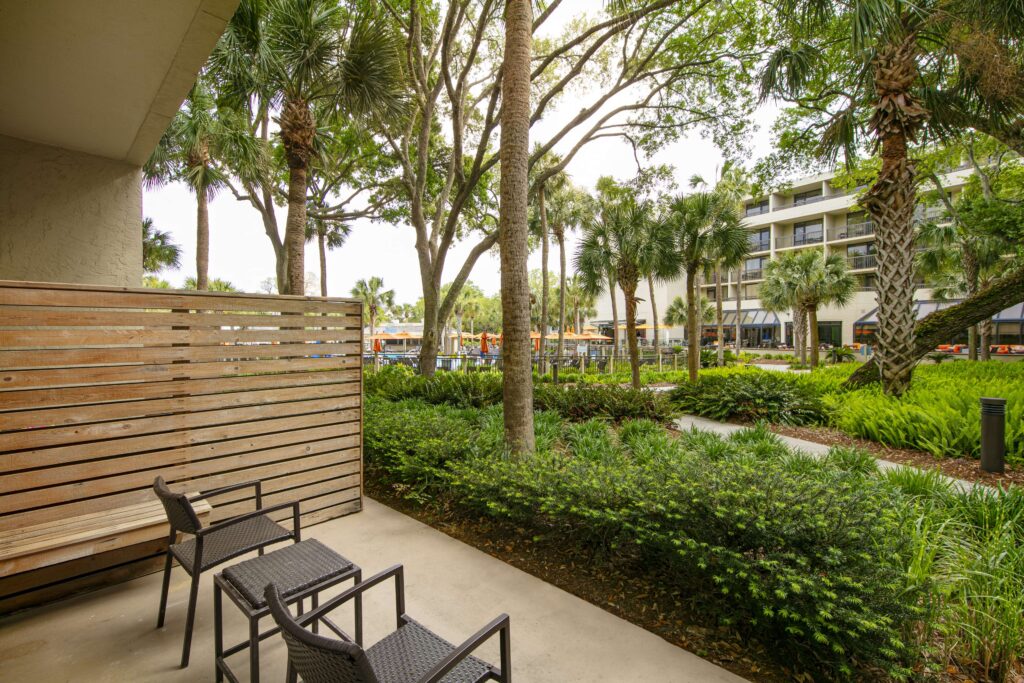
[41, 545]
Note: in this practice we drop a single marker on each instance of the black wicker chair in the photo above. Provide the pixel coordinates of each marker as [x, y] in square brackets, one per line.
[214, 544]
[410, 654]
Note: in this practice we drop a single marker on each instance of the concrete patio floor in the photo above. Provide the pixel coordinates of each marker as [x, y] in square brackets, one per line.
[110, 634]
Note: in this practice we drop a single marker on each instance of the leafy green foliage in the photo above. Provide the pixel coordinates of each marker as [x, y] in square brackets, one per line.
[583, 402]
[750, 395]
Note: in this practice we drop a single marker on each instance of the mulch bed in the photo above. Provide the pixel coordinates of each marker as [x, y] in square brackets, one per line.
[626, 592]
[960, 468]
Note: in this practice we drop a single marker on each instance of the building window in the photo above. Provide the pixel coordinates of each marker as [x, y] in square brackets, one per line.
[808, 197]
[753, 268]
[761, 240]
[830, 332]
[807, 232]
[861, 256]
[757, 208]
[868, 283]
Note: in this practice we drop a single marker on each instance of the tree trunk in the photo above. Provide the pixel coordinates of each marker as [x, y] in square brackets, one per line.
[629, 293]
[654, 314]
[812, 325]
[985, 335]
[692, 327]
[890, 202]
[739, 313]
[428, 349]
[295, 231]
[939, 327]
[514, 157]
[560, 236]
[719, 319]
[972, 342]
[615, 315]
[202, 241]
[543, 278]
[800, 334]
[972, 275]
[322, 244]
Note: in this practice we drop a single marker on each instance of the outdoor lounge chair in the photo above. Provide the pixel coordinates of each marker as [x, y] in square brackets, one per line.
[214, 544]
[410, 654]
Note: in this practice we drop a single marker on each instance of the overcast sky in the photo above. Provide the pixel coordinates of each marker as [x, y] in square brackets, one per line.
[240, 251]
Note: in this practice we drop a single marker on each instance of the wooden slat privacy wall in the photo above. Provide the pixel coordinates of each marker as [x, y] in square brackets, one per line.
[102, 389]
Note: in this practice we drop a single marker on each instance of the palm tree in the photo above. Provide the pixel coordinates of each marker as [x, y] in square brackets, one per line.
[705, 225]
[958, 262]
[328, 235]
[804, 281]
[581, 301]
[883, 71]
[676, 315]
[198, 136]
[628, 239]
[323, 61]
[214, 285]
[377, 301]
[158, 251]
[514, 157]
[568, 207]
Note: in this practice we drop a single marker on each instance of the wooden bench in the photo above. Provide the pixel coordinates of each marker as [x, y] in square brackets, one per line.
[41, 545]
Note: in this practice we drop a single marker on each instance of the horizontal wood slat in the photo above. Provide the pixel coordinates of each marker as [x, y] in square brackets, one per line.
[103, 388]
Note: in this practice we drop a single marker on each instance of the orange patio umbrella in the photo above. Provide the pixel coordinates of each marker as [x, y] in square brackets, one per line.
[377, 346]
[483, 343]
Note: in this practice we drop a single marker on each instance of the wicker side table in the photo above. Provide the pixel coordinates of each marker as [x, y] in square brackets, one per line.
[300, 570]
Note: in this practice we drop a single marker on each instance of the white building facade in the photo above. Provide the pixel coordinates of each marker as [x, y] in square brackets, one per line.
[810, 214]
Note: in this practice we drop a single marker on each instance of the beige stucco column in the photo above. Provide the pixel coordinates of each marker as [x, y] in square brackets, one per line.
[68, 217]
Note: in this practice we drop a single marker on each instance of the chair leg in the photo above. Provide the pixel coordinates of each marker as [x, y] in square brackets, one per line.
[163, 591]
[254, 650]
[193, 595]
[357, 579]
[218, 631]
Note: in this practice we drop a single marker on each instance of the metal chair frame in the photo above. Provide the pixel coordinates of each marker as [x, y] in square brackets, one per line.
[200, 533]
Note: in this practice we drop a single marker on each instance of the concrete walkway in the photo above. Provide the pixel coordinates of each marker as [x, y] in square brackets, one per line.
[110, 635]
[816, 449]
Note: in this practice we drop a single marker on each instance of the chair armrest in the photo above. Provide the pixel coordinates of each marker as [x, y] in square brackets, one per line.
[256, 484]
[250, 515]
[396, 571]
[442, 668]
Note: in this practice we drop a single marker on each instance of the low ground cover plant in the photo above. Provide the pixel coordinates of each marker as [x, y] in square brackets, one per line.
[750, 395]
[484, 389]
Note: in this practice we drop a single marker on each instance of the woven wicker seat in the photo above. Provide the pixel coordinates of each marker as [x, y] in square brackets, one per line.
[410, 654]
[292, 569]
[230, 541]
[214, 544]
[413, 650]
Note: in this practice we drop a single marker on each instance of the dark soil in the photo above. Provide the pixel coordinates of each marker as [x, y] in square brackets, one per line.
[625, 591]
[967, 469]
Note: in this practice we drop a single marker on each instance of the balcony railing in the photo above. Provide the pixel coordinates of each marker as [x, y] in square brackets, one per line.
[753, 274]
[760, 244]
[852, 230]
[792, 241]
[862, 261]
[800, 201]
[755, 210]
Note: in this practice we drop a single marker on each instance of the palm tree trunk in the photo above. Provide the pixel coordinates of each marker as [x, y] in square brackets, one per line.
[322, 244]
[295, 231]
[692, 329]
[972, 342]
[799, 334]
[654, 314]
[615, 315]
[629, 292]
[202, 240]
[719, 318]
[514, 157]
[560, 236]
[739, 313]
[985, 335]
[543, 278]
[890, 202]
[812, 324]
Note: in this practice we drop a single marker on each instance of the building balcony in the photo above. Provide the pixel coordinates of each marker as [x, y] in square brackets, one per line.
[792, 241]
[755, 210]
[753, 274]
[851, 231]
[757, 245]
[862, 261]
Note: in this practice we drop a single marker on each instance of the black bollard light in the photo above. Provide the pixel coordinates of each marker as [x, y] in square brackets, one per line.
[993, 434]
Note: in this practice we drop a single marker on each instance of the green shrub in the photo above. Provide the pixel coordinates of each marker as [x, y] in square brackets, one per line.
[750, 395]
[581, 402]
